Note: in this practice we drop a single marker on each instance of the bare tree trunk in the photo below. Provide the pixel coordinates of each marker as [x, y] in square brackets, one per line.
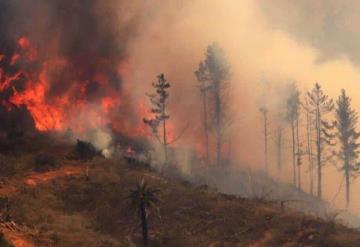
[229, 153]
[205, 126]
[347, 181]
[298, 154]
[266, 141]
[144, 225]
[279, 150]
[165, 144]
[318, 155]
[293, 152]
[217, 122]
[309, 148]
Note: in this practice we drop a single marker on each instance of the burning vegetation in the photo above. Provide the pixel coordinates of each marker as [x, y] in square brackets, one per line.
[218, 154]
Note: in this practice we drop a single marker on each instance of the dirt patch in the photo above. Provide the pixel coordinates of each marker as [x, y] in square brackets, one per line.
[40, 178]
[13, 235]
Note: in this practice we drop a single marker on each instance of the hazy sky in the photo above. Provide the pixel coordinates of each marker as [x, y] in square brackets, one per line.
[268, 44]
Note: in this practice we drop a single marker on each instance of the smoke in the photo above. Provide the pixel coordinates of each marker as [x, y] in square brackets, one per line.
[330, 26]
[174, 35]
[104, 55]
[71, 56]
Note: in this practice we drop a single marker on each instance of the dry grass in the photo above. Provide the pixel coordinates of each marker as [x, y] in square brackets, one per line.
[74, 211]
[77, 212]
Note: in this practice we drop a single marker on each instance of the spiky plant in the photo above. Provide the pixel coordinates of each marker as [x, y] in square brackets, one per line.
[143, 198]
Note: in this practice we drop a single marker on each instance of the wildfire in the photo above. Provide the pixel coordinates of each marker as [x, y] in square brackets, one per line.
[6, 81]
[86, 99]
[46, 117]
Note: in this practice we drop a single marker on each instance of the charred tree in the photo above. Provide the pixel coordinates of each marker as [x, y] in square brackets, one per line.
[204, 87]
[279, 134]
[158, 122]
[321, 104]
[264, 112]
[215, 70]
[347, 120]
[292, 117]
[298, 154]
[159, 103]
[309, 152]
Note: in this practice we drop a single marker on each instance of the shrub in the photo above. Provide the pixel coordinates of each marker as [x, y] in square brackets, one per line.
[84, 150]
[44, 162]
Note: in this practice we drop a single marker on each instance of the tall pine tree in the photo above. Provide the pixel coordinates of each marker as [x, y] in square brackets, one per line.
[347, 120]
[204, 87]
[309, 124]
[321, 105]
[292, 117]
[159, 102]
[216, 71]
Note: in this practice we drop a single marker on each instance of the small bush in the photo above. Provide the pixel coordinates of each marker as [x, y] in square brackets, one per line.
[84, 150]
[44, 162]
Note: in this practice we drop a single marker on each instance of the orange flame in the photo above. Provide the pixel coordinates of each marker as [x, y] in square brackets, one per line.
[73, 108]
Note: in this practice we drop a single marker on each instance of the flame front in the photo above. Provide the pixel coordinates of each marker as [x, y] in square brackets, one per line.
[78, 105]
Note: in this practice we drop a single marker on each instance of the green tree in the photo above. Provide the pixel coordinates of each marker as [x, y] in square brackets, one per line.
[347, 120]
[143, 198]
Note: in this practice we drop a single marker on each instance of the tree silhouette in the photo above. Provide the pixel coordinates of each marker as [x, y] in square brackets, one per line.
[159, 119]
[143, 198]
[309, 124]
[264, 112]
[292, 117]
[215, 70]
[159, 103]
[204, 87]
[321, 104]
[279, 147]
[347, 120]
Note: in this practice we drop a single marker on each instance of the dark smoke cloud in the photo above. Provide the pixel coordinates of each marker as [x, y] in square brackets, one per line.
[91, 35]
[329, 25]
[90, 26]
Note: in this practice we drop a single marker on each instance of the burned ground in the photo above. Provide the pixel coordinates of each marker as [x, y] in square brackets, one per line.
[73, 211]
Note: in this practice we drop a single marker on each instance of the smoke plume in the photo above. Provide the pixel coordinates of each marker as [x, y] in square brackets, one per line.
[88, 64]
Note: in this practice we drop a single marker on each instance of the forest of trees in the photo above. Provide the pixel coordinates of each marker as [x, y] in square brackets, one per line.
[319, 131]
[213, 75]
[330, 137]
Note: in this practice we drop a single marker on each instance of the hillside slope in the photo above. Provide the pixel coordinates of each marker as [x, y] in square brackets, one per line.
[73, 211]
